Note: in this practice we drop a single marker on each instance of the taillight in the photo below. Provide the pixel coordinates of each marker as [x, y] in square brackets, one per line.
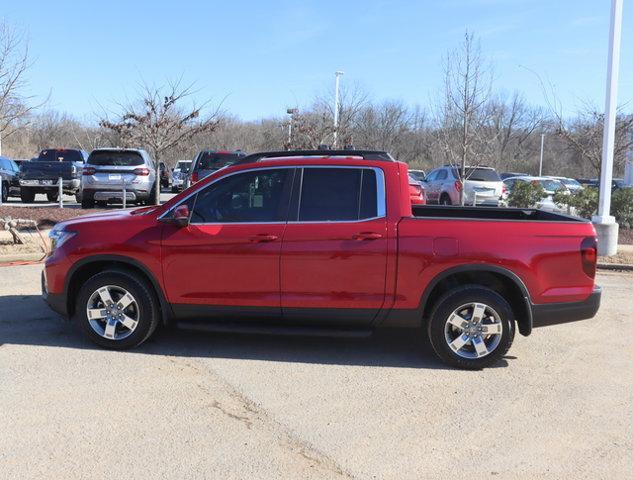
[194, 177]
[88, 171]
[458, 185]
[143, 172]
[415, 190]
[589, 255]
[503, 189]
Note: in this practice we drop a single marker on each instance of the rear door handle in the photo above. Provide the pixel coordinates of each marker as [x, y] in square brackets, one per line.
[367, 236]
[264, 237]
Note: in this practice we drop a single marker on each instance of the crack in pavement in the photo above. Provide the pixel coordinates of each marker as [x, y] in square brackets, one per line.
[251, 415]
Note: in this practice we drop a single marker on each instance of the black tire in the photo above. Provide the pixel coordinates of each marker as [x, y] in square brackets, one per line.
[102, 203]
[27, 195]
[78, 196]
[445, 199]
[52, 196]
[148, 314]
[453, 300]
[87, 201]
[152, 197]
[5, 191]
[174, 190]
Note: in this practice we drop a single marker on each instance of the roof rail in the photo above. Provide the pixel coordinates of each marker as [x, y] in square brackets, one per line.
[364, 154]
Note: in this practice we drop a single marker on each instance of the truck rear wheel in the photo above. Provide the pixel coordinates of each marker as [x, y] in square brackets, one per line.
[471, 327]
[5, 191]
[52, 196]
[27, 195]
[117, 310]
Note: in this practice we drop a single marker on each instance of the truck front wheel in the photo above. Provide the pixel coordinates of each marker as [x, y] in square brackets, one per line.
[471, 327]
[117, 309]
[52, 196]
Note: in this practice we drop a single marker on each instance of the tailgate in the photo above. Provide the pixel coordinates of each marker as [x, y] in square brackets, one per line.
[36, 170]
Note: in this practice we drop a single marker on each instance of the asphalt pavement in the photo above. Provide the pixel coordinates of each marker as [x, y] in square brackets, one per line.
[228, 406]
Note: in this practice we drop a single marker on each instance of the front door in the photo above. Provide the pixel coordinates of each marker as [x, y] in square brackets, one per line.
[226, 262]
[334, 254]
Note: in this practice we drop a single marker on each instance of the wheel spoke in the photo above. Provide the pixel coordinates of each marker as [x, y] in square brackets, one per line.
[110, 329]
[128, 322]
[125, 301]
[457, 321]
[480, 346]
[478, 312]
[459, 342]
[104, 293]
[96, 313]
[491, 329]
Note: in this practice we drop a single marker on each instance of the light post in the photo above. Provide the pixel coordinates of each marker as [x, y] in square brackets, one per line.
[604, 222]
[540, 165]
[292, 112]
[337, 75]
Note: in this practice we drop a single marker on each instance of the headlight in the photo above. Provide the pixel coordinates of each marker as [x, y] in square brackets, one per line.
[59, 236]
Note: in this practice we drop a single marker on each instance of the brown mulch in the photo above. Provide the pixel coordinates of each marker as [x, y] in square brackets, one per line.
[45, 217]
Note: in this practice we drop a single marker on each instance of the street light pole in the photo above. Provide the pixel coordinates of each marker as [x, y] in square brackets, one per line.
[291, 112]
[604, 223]
[337, 74]
[540, 165]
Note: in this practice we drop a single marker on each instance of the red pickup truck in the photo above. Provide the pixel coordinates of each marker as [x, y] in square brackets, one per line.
[322, 242]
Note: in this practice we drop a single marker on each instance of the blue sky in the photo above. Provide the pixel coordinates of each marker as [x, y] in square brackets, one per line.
[266, 55]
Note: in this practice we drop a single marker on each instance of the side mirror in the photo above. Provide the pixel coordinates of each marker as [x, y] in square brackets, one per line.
[179, 217]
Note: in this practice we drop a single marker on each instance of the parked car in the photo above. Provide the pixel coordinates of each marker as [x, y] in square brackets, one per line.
[108, 170]
[483, 186]
[165, 175]
[571, 184]
[9, 178]
[322, 242]
[512, 174]
[179, 175]
[209, 161]
[550, 186]
[41, 174]
[416, 191]
[419, 175]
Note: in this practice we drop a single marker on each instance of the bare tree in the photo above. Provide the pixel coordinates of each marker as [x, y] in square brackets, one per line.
[15, 105]
[462, 112]
[158, 122]
[583, 136]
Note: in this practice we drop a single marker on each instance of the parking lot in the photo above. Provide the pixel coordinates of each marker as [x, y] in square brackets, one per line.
[240, 406]
[68, 201]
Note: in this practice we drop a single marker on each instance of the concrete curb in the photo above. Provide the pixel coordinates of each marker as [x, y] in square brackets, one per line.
[22, 257]
[615, 266]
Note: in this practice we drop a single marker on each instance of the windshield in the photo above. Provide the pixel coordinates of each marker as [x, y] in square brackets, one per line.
[115, 159]
[479, 174]
[184, 166]
[212, 160]
[59, 155]
[551, 185]
[570, 182]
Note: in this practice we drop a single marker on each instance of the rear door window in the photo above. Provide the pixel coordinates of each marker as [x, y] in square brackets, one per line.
[338, 194]
[480, 174]
[115, 159]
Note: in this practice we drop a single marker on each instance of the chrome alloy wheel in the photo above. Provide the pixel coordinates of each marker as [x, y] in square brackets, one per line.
[112, 312]
[473, 330]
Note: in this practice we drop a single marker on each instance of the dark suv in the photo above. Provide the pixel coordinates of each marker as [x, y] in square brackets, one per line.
[209, 161]
[9, 177]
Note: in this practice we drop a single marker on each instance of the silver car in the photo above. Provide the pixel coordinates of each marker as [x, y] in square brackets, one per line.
[110, 171]
[180, 174]
[483, 186]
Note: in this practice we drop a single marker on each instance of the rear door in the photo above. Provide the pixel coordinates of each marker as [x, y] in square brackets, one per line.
[334, 255]
[226, 261]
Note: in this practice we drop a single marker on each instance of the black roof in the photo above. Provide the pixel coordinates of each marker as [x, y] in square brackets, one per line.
[364, 154]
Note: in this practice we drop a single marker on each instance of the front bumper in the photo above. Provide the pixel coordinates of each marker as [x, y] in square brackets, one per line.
[546, 314]
[57, 301]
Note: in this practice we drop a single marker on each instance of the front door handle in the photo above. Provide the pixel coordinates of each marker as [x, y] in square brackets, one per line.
[367, 236]
[264, 237]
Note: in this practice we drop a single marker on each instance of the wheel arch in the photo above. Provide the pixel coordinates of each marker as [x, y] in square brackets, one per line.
[499, 279]
[87, 267]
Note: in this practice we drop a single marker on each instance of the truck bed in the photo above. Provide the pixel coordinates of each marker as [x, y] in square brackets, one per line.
[491, 213]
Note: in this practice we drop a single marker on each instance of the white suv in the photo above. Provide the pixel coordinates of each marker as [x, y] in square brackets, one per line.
[483, 186]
